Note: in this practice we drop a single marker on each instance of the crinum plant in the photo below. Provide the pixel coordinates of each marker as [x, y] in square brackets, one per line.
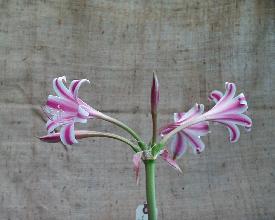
[66, 109]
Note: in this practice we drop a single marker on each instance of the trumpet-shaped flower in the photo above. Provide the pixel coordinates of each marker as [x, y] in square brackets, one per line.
[66, 108]
[188, 136]
[228, 111]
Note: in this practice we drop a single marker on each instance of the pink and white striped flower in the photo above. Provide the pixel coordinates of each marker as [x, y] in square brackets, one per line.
[228, 111]
[66, 108]
[188, 136]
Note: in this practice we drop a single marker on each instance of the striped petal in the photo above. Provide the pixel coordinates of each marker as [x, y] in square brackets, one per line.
[236, 105]
[75, 85]
[178, 145]
[215, 96]
[67, 134]
[239, 119]
[167, 129]
[234, 132]
[82, 113]
[137, 164]
[51, 125]
[199, 129]
[60, 89]
[58, 103]
[194, 141]
[192, 113]
[179, 116]
[230, 90]
[165, 156]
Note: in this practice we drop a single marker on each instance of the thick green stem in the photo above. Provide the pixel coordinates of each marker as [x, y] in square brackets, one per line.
[151, 189]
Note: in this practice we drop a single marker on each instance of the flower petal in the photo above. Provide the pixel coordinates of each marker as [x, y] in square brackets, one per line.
[137, 163]
[167, 129]
[51, 125]
[178, 116]
[58, 103]
[234, 132]
[165, 156]
[229, 92]
[60, 89]
[75, 85]
[199, 129]
[239, 119]
[67, 134]
[178, 145]
[82, 113]
[195, 111]
[194, 141]
[236, 105]
[215, 96]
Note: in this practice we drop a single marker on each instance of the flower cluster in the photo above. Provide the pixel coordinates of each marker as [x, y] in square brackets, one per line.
[66, 108]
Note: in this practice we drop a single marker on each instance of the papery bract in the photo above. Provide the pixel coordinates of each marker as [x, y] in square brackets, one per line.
[137, 158]
[165, 156]
[66, 108]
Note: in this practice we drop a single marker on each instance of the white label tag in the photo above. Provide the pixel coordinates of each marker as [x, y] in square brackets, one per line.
[142, 212]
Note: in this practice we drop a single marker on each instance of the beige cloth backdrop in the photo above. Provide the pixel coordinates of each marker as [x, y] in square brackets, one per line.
[194, 47]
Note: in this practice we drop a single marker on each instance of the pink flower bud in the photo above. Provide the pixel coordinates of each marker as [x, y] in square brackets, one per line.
[154, 94]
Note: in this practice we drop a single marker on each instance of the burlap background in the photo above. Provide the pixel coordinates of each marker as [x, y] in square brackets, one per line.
[194, 47]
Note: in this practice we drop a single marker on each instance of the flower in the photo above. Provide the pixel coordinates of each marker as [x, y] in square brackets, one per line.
[188, 136]
[229, 110]
[188, 127]
[66, 108]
